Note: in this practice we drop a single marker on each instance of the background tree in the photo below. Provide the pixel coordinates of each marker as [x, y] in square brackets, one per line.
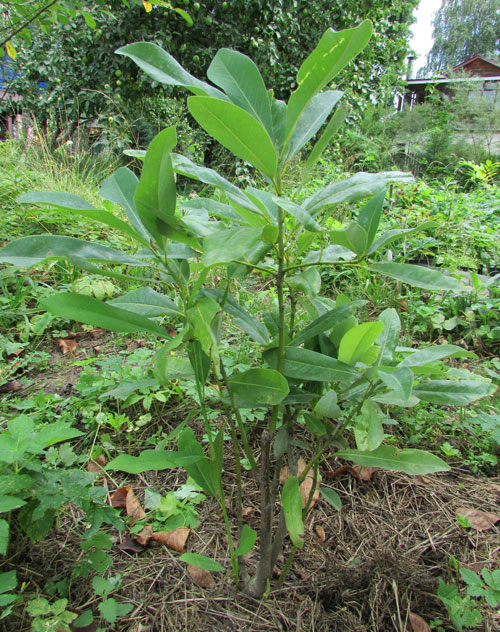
[462, 29]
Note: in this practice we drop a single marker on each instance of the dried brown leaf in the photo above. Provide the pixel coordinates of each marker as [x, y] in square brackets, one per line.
[201, 577]
[423, 479]
[307, 483]
[144, 536]
[417, 623]
[98, 332]
[363, 473]
[175, 540]
[97, 464]
[246, 512]
[129, 545]
[118, 498]
[479, 520]
[320, 533]
[133, 507]
[11, 387]
[66, 345]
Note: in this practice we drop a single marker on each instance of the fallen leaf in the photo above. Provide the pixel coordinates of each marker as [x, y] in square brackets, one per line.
[246, 512]
[175, 540]
[132, 345]
[418, 624]
[320, 533]
[201, 577]
[66, 345]
[97, 464]
[97, 332]
[144, 535]
[363, 473]
[133, 507]
[479, 520]
[118, 498]
[11, 387]
[129, 545]
[423, 479]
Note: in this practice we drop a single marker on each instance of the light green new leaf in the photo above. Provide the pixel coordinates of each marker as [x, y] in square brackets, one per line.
[400, 381]
[237, 130]
[241, 80]
[26, 252]
[229, 245]
[155, 192]
[150, 460]
[418, 276]
[333, 125]
[452, 393]
[434, 354]
[357, 340]
[248, 538]
[325, 322]
[332, 53]
[120, 188]
[307, 365]
[146, 302]
[354, 238]
[292, 508]
[162, 67]
[390, 458]
[301, 215]
[258, 387]
[331, 497]
[315, 114]
[368, 429]
[369, 215]
[389, 337]
[202, 561]
[85, 309]
[8, 581]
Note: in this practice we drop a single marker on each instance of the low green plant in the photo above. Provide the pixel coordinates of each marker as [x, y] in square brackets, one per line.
[482, 174]
[315, 368]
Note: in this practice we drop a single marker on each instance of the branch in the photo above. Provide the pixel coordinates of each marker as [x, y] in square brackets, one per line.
[28, 22]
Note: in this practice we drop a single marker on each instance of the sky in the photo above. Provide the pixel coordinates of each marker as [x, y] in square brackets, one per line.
[421, 42]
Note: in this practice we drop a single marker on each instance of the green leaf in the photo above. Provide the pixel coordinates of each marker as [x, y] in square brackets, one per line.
[418, 276]
[120, 188]
[354, 238]
[28, 251]
[150, 460]
[169, 367]
[452, 393]
[332, 53]
[308, 281]
[400, 381]
[84, 620]
[241, 80]
[396, 234]
[369, 215]
[228, 245]
[201, 470]
[353, 189]
[331, 497]
[199, 360]
[357, 340]
[325, 322]
[155, 192]
[301, 214]
[4, 540]
[85, 309]
[201, 317]
[368, 429]
[55, 432]
[434, 354]
[327, 406]
[390, 458]
[236, 130]
[248, 537]
[8, 581]
[389, 337]
[292, 508]
[212, 207]
[8, 503]
[146, 302]
[258, 387]
[314, 425]
[162, 67]
[202, 561]
[333, 125]
[109, 610]
[330, 254]
[314, 115]
[307, 365]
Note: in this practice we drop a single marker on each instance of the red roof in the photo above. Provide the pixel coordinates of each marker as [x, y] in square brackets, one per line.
[479, 65]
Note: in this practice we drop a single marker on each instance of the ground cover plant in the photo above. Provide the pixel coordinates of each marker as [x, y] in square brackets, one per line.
[316, 382]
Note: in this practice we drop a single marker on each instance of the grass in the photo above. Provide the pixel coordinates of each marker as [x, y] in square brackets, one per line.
[351, 575]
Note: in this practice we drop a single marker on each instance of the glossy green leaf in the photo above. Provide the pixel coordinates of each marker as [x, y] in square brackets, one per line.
[357, 340]
[369, 216]
[325, 322]
[418, 276]
[435, 354]
[307, 365]
[333, 126]
[291, 501]
[397, 234]
[368, 429]
[237, 130]
[199, 360]
[248, 537]
[331, 497]
[301, 215]
[354, 238]
[229, 245]
[308, 281]
[168, 367]
[85, 309]
[278, 112]
[146, 302]
[400, 381]
[452, 393]
[389, 337]
[332, 53]
[150, 460]
[327, 406]
[202, 561]
[155, 192]
[241, 80]
[354, 188]
[28, 251]
[313, 117]
[200, 471]
[162, 67]
[201, 317]
[390, 458]
[330, 254]
[213, 207]
[258, 387]
[314, 425]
